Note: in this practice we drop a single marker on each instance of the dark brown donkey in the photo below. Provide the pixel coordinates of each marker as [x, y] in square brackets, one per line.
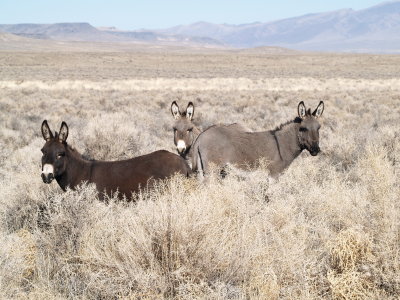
[66, 165]
[222, 145]
[185, 132]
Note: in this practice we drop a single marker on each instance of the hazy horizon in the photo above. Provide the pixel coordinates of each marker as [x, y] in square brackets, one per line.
[157, 14]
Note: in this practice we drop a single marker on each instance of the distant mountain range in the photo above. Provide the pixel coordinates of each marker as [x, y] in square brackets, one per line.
[84, 32]
[376, 29]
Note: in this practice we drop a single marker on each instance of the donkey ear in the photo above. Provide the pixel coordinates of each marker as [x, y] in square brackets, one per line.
[175, 110]
[301, 109]
[46, 132]
[190, 111]
[319, 110]
[62, 136]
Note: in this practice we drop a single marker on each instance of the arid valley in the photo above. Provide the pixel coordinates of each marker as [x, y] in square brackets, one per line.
[327, 228]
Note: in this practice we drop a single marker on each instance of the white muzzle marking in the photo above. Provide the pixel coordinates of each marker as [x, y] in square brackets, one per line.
[181, 146]
[48, 169]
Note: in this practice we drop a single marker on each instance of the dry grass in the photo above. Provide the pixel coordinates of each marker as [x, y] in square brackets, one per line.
[211, 84]
[327, 228]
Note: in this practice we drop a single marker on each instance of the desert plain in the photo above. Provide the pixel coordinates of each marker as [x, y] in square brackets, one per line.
[326, 228]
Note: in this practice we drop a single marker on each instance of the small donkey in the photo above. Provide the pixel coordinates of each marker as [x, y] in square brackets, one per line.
[185, 132]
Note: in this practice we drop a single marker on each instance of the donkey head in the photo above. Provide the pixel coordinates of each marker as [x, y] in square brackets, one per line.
[183, 128]
[309, 127]
[54, 161]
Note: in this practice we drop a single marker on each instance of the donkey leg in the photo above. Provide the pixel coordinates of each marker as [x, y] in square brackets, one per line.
[200, 172]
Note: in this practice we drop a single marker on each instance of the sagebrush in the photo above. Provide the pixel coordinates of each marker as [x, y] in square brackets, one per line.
[327, 228]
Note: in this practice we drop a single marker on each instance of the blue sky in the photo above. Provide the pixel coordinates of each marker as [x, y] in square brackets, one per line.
[153, 14]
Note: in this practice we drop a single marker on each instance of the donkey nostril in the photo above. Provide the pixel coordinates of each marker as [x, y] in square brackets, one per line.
[181, 150]
[314, 150]
[47, 178]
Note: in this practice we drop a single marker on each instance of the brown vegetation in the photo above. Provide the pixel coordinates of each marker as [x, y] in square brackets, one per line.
[327, 228]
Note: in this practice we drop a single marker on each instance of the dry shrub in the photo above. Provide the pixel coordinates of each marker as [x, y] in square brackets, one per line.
[262, 284]
[350, 249]
[328, 227]
[352, 285]
[18, 261]
[355, 256]
[244, 236]
[247, 236]
[350, 257]
[110, 141]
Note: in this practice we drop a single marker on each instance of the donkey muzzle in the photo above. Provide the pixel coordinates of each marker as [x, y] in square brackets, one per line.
[181, 147]
[47, 178]
[314, 150]
[47, 173]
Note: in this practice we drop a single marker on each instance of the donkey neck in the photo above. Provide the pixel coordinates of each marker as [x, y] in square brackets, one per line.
[286, 138]
[77, 170]
[196, 132]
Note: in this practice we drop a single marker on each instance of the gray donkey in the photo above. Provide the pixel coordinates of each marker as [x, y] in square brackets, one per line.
[222, 145]
[185, 132]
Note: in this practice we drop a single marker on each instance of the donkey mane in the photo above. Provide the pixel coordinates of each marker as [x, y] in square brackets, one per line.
[76, 153]
[278, 128]
[72, 148]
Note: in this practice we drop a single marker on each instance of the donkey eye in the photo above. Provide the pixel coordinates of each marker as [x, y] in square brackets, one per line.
[61, 154]
[303, 129]
[190, 130]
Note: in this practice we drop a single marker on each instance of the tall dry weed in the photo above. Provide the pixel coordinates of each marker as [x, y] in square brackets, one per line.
[327, 228]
